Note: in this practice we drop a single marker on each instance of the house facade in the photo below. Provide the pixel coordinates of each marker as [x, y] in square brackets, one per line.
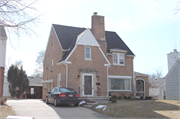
[162, 92]
[3, 40]
[93, 61]
[173, 82]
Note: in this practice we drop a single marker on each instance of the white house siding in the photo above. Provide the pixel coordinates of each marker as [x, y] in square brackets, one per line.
[154, 92]
[161, 89]
[6, 88]
[173, 83]
[2, 52]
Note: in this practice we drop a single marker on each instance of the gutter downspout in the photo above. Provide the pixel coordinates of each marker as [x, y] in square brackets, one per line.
[66, 74]
[107, 78]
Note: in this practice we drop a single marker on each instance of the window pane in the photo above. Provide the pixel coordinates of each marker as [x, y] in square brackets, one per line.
[115, 59]
[119, 84]
[121, 58]
[87, 49]
[87, 55]
[121, 61]
[88, 52]
[126, 84]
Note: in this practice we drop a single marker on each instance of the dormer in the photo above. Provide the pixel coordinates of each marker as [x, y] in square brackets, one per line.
[118, 56]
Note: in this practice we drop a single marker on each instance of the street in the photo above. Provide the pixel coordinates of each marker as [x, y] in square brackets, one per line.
[40, 110]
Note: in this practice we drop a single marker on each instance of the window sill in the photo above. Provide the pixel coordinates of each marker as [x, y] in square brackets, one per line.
[119, 64]
[121, 90]
[88, 59]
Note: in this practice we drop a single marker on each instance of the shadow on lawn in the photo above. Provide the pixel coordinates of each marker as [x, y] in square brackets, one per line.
[138, 109]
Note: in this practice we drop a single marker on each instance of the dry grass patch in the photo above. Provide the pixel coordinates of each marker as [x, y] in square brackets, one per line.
[142, 109]
[6, 111]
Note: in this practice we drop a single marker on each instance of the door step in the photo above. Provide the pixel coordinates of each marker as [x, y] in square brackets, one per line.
[95, 97]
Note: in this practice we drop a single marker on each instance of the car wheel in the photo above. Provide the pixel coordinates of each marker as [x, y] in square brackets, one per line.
[47, 100]
[77, 104]
[55, 102]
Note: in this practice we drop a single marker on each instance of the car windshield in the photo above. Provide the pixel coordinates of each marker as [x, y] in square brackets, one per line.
[65, 90]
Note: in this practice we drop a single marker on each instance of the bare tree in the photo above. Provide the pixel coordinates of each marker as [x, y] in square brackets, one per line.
[39, 64]
[18, 16]
[152, 77]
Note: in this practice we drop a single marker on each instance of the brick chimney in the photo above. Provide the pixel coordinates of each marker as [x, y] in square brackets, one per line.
[98, 30]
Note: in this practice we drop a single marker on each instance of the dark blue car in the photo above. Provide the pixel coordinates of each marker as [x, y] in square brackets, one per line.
[60, 95]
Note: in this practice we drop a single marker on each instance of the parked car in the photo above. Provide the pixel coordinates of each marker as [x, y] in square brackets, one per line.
[60, 95]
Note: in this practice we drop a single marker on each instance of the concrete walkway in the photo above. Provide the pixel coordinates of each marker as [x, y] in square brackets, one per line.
[39, 110]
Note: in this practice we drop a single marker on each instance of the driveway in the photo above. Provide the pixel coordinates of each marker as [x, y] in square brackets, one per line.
[40, 110]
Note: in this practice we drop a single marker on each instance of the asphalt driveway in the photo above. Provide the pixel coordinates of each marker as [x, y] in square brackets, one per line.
[40, 110]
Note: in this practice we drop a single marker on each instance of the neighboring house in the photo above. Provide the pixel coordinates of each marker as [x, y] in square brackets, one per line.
[154, 85]
[34, 89]
[6, 88]
[162, 92]
[3, 40]
[170, 89]
[93, 61]
[141, 81]
[173, 82]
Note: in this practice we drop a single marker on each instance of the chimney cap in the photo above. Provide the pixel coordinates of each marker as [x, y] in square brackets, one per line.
[175, 50]
[95, 13]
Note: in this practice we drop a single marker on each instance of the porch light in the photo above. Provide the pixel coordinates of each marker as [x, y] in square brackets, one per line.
[98, 77]
[78, 76]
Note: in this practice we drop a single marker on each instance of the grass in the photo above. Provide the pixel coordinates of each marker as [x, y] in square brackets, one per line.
[6, 111]
[142, 109]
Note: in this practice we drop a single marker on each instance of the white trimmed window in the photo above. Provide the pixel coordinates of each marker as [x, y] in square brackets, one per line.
[119, 84]
[59, 80]
[118, 59]
[52, 65]
[87, 52]
[51, 86]
[47, 63]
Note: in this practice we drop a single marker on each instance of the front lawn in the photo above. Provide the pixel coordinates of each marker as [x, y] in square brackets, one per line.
[6, 111]
[141, 109]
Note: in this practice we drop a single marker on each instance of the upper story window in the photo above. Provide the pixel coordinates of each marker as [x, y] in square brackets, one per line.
[52, 65]
[87, 52]
[47, 63]
[118, 59]
[51, 38]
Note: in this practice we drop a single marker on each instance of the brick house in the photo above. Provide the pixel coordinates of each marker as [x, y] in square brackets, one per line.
[93, 61]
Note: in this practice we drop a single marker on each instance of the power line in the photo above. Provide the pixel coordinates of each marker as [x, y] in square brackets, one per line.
[154, 68]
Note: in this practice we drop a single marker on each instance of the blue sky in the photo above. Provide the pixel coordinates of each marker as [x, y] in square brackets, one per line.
[149, 28]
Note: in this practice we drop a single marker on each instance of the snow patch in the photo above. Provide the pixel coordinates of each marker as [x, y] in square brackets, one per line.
[101, 106]
[82, 102]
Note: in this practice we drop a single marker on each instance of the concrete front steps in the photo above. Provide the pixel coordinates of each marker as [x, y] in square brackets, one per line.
[95, 97]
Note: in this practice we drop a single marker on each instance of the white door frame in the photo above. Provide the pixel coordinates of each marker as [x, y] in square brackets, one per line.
[86, 74]
[143, 91]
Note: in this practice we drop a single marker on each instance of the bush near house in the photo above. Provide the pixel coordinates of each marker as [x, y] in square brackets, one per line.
[119, 97]
[3, 100]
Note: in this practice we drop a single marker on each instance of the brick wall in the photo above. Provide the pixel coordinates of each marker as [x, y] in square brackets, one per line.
[1, 80]
[79, 62]
[53, 51]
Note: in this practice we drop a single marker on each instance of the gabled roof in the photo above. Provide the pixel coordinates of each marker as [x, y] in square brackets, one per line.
[140, 74]
[67, 36]
[178, 61]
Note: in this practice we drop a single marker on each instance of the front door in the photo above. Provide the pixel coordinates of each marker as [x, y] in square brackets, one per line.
[88, 85]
